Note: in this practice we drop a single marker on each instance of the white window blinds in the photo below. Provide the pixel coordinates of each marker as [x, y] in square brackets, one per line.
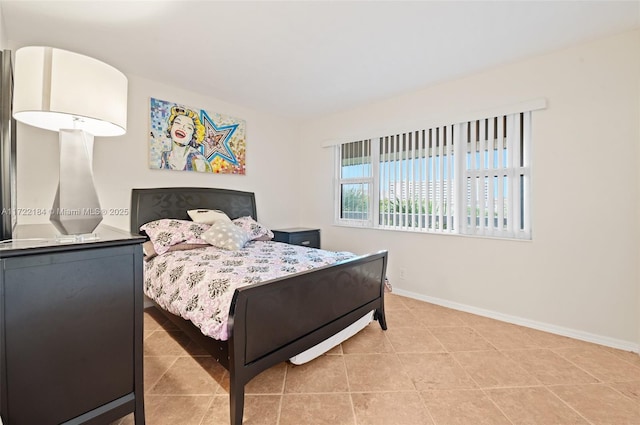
[472, 177]
[496, 176]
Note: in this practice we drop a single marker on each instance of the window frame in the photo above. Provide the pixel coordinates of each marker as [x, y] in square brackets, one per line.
[342, 181]
[517, 172]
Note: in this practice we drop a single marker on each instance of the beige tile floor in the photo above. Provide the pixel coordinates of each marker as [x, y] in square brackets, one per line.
[432, 366]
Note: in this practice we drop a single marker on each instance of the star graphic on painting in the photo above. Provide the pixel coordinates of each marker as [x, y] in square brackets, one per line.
[216, 140]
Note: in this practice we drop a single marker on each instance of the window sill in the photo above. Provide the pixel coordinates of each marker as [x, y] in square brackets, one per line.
[387, 229]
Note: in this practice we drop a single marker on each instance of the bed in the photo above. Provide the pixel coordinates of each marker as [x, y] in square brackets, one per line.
[273, 321]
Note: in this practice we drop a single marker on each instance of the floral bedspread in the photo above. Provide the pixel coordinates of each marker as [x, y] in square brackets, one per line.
[198, 284]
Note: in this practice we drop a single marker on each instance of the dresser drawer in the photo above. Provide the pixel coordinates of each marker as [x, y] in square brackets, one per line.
[298, 236]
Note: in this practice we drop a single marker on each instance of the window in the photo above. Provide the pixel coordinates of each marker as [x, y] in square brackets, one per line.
[356, 183]
[468, 178]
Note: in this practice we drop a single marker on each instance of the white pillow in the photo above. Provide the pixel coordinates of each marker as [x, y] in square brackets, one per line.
[226, 235]
[208, 216]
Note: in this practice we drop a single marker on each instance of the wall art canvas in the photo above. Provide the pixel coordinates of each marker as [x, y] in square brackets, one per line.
[191, 139]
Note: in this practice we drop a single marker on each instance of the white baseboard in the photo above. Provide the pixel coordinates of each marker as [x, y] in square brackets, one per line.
[541, 326]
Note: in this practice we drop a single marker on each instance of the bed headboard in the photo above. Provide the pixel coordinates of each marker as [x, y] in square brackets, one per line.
[173, 202]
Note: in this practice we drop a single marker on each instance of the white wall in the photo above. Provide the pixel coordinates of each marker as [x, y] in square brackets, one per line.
[639, 176]
[121, 163]
[579, 274]
[3, 35]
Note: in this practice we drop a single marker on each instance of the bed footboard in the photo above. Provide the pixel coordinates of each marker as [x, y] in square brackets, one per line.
[271, 322]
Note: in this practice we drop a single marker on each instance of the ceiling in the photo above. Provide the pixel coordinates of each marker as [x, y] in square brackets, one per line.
[310, 58]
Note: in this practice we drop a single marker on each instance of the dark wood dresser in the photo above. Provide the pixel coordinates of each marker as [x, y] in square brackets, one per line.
[298, 236]
[71, 328]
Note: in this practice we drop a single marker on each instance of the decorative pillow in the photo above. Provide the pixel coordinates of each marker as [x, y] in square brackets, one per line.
[150, 252]
[167, 232]
[255, 230]
[208, 216]
[225, 235]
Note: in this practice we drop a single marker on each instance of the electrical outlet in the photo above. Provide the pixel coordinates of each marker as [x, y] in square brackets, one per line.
[403, 273]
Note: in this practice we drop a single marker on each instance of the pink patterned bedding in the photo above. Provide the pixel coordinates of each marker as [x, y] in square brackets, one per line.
[198, 284]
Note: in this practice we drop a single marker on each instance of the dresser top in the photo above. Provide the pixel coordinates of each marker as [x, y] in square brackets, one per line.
[44, 237]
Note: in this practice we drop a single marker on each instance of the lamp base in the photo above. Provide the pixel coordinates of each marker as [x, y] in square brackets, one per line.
[77, 238]
[76, 208]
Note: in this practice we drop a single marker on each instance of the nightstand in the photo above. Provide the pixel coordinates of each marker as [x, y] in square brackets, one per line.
[71, 328]
[298, 236]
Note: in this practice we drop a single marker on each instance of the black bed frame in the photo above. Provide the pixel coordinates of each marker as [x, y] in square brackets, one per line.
[270, 322]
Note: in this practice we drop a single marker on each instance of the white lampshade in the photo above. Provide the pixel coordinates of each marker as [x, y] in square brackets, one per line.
[56, 89]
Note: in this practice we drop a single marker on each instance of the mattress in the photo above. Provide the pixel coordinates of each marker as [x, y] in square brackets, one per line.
[333, 341]
[198, 284]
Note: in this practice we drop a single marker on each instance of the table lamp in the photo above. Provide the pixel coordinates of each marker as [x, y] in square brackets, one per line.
[79, 97]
